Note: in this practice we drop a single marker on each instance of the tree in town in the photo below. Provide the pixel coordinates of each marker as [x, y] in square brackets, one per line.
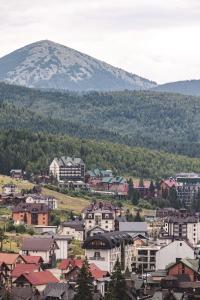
[84, 283]
[117, 285]
[3, 237]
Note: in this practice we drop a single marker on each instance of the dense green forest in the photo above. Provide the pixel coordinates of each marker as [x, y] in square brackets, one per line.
[168, 122]
[34, 151]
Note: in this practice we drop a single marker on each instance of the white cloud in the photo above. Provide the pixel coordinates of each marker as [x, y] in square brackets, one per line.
[157, 39]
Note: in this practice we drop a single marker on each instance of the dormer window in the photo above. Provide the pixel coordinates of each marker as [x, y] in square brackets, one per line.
[106, 216]
[90, 216]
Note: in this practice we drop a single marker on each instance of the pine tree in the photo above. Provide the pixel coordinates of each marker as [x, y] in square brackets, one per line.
[151, 188]
[84, 283]
[141, 182]
[117, 286]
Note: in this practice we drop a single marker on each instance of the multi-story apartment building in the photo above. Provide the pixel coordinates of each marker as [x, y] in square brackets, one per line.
[31, 214]
[100, 217]
[104, 249]
[144, 257]
[183, 226]
[67, 168]
[188, 186]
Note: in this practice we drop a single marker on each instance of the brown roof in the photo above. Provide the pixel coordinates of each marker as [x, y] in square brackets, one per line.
[38, 244]
[31, 208]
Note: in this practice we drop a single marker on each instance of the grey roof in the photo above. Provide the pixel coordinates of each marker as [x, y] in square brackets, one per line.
[133, 226]
[38, 244]
[23, 293]
[77, 225]
[161, 295]
[31, 208]
[58, 290]
[64, 161]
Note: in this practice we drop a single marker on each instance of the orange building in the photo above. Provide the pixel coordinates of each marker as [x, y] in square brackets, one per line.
[31, 214]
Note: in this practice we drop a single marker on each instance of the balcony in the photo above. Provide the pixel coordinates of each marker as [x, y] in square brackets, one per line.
[97, 258]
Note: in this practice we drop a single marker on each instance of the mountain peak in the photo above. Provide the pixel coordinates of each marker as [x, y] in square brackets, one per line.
[46, 64]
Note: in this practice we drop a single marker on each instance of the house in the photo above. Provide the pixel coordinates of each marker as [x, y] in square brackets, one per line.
[134, 228]
[183, 226]
[73, 228]
[9, 188]
[20, 269]
[67, 168]
[25, 293]
[60, 290]
[95, 176]
[186, 266]
[44, 247]
[104, 249]
[11, 259]
[165, 186]
[31, 214]
[176, 250]
[63, 242]
[16, 173]
[33, 259]
[50, 201]
[102, 205]
[35, 280]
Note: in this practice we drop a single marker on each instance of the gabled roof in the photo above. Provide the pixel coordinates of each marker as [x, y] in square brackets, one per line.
[65, 263]
[37, 278]
[77, 225]
[38, 244]
[31, 208]
[9, 258]
[69, 161]
[59, 289]
[30, 259]
[193, 264]
[24, 268]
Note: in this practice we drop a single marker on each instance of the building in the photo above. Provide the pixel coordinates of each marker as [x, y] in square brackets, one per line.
[172, 252]
[144, 257]
[16, 173]
[188, 187]
[11, 259]
[103, 219]
[35, 280]
[9, 188]
[186, 266]
[31, 214]
[134, 228]
[67, 168]
[63, 290]
[104, 249]
[43, 247]
[183, 226]
[165, 186]
[63, 242]
[50, 201]
[73, 228]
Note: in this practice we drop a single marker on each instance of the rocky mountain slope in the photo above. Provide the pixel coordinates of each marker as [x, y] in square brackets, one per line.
[46, 64]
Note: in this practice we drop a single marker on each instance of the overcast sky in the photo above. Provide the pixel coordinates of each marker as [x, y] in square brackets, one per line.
[156, 39]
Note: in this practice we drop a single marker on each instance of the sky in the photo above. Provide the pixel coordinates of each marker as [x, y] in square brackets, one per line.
[156, 39]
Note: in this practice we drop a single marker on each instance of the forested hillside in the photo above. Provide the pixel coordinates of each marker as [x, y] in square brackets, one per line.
[168, 122]
[34, 152]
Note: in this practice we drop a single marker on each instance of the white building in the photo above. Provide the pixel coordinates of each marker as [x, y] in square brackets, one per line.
[104, 219]
[72, 228]
[183, 227]
[104, 250]
[144, 257]
[50, 201]
[67, 168]
[9, 188]
[172, 252]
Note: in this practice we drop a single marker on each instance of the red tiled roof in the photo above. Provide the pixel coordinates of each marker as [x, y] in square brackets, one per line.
[97, 272]
[30, 259]
[65, 263]
[24, 268]
[170, 182]
[9, 258]
[39, 278]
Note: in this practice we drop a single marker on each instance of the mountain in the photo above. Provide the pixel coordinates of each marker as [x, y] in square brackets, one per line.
[187, 87]
[46, 64]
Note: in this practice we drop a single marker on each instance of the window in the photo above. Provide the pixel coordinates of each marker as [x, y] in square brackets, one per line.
[180, 244]
[90, 221]
[106, 221]
[97, 255]
[106, 226]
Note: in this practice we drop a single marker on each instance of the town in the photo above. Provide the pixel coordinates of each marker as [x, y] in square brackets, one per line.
[136, 235]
